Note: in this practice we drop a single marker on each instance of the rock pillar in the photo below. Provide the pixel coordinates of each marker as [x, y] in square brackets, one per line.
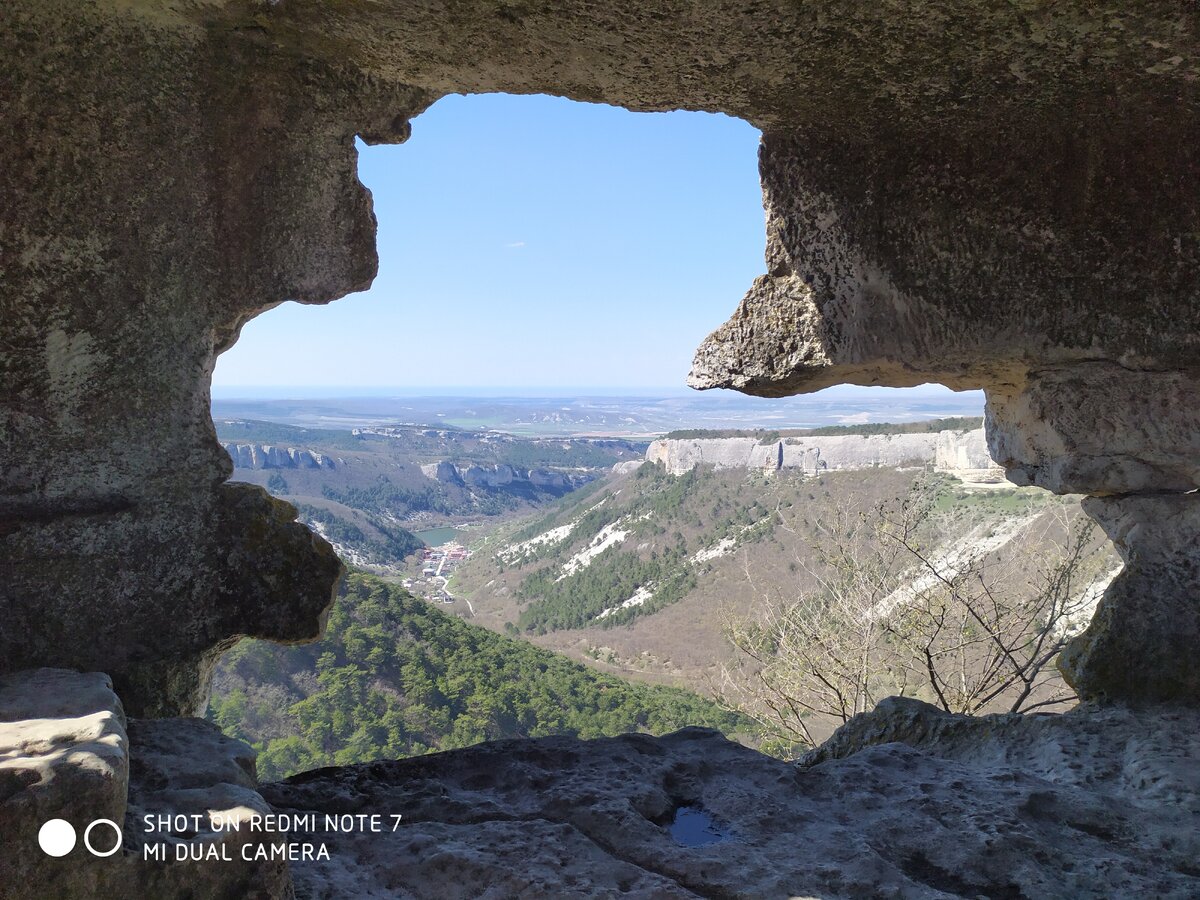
[161, 184]
[1131, 440]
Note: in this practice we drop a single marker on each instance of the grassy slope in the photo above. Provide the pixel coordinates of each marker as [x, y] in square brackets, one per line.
[682, 642]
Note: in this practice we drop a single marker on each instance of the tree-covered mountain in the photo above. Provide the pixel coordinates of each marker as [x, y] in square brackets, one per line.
[396, 677]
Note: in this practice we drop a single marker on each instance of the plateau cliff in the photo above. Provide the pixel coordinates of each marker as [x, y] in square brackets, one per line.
[960, 453]
[264, 456]
[504, 476]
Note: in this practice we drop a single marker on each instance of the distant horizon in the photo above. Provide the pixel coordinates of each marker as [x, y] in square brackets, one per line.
[347, 392]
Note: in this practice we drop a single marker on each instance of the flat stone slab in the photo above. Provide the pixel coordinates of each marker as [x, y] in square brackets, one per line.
[1091, 804]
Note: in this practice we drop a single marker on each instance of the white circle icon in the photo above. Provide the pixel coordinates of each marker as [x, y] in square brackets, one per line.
[87, 837]
[57, 837]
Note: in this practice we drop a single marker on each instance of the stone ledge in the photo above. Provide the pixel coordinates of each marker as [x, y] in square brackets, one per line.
[558, 817]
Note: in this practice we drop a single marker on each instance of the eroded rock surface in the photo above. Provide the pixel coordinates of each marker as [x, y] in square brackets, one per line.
[186, 767]
[163, 181]
[962, 453]
[67, 752]
[1143, 645]
[1086, 805]
[1098, 428]
[64, 754]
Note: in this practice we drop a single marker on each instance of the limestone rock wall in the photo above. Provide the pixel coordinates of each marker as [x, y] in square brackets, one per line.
[988, 194]
[67, 751]
[163, 182]
[504, 476]
[266, 456]
[1094, 803]
[962, 453]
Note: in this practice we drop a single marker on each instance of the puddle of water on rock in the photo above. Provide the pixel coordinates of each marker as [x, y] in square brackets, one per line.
[693, 827]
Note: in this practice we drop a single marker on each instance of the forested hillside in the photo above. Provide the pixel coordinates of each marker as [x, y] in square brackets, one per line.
[396, 677]
[642, 551]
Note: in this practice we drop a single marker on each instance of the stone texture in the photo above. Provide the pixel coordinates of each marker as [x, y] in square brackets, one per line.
[67, 751]
[64, 754]
[1141, 646]
[1098, 428]
[966, 256]
[1093, 804]
[967, 456]
[956, 452]
[187, 767]
[997, 195]
[265, 456]
[163, 182]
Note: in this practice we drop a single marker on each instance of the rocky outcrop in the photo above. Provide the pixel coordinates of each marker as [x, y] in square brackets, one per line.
[1099, 428]
[1141, 646]
[966, 455]
[265, 456]
[961, 453]
[995, 195]
[67, 752]
[1128, 438]
[64, 754]
[242, 566]
[1090, 804]
[629, 465]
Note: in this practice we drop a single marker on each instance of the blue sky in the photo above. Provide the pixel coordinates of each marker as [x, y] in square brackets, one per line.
[532, 241]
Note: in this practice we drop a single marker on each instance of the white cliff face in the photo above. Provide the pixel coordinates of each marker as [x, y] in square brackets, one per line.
[966, 454]
[266, 456]
[957, 452]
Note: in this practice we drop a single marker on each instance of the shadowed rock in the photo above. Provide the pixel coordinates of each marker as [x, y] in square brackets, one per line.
[1090, 804]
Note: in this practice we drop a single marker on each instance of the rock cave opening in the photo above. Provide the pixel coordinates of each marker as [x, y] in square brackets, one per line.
[998, 197]
[598, 205]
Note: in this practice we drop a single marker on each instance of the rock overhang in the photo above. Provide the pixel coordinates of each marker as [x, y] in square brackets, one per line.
[996, 195]
[947, 198]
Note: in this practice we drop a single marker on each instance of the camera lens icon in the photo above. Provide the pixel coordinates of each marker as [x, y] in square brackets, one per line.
[87, 838]
[57, 837]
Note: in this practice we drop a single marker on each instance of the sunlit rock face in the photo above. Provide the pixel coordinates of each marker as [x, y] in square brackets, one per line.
[961, 453]
[163, 182]
[1130, 438]
[64, 754]
[1142, 645]
[67, 752]
[996, 195]
[1099, 428]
